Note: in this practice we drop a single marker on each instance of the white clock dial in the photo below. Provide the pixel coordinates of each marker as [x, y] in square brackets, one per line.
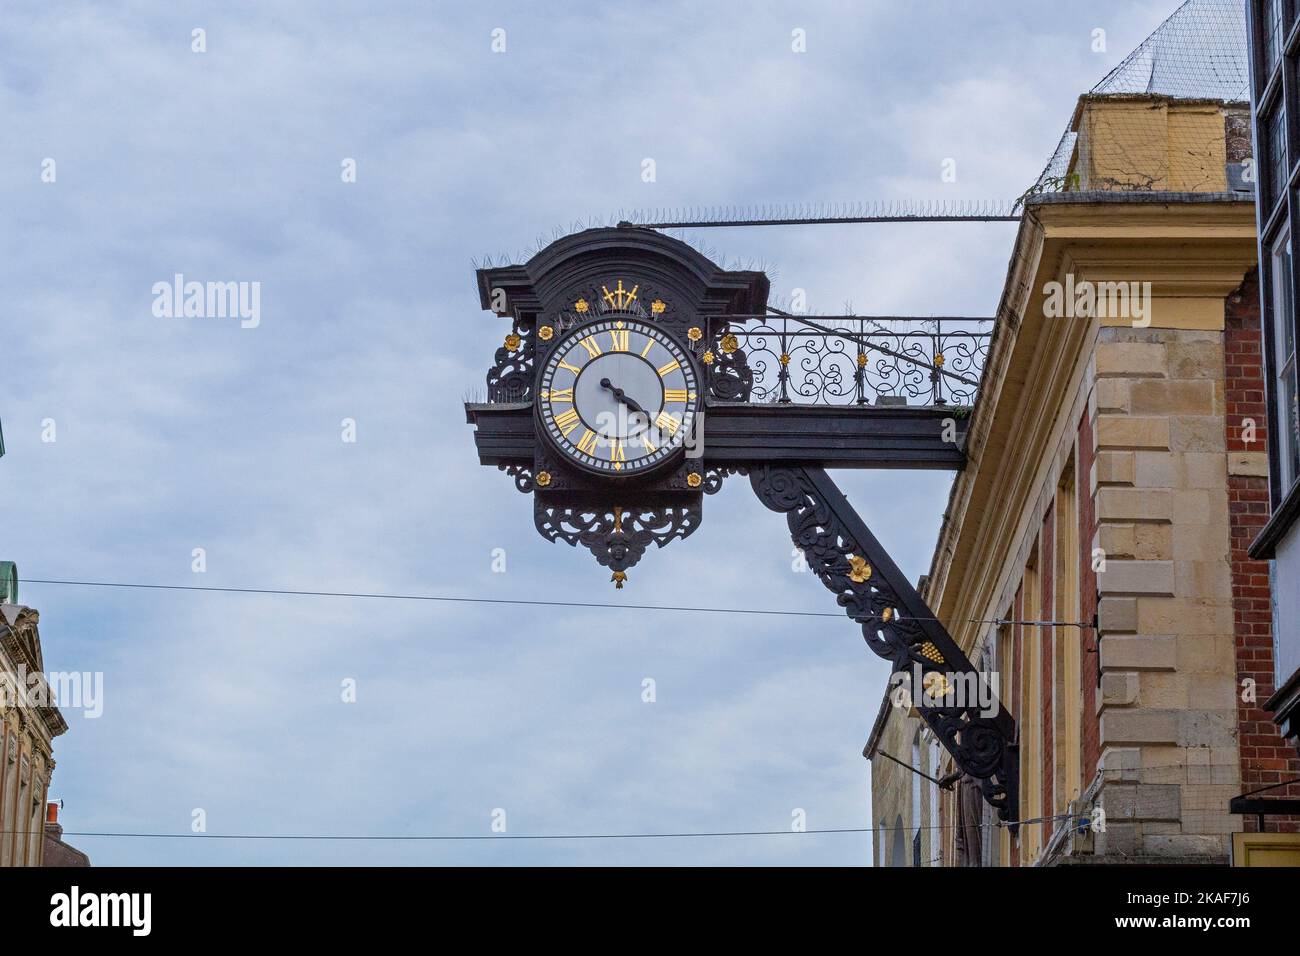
[617, 397]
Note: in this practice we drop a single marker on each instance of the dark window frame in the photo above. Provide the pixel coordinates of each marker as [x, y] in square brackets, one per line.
[1275, 86]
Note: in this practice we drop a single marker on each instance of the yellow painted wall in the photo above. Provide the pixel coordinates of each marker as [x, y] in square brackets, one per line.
[1152, 145]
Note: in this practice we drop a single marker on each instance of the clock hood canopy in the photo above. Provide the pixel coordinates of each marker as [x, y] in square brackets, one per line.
[666, 270]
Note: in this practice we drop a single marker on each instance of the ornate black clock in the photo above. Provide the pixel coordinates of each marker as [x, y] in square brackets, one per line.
[611, 356]
[622, 395]
[618, 397]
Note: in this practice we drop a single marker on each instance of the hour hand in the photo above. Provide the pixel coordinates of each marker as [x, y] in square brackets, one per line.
[622, 396]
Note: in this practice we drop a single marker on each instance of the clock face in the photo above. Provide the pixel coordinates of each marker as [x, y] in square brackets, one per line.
[617, 397]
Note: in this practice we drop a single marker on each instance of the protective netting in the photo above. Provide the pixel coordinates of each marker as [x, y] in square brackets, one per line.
[1171, 117]
[1198, 53]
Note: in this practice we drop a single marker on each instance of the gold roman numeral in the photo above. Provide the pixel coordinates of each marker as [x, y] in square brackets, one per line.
[587, 443]
[649, 445]
[619, 337]
[567, 422]
[669, 367]
[672, 395]
[648, 346]
[616, 453]
[560, 395]
[575, 371]
[668, 423]
[591, 345]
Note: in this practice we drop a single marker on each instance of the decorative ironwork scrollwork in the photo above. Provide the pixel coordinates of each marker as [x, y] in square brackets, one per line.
[510, 379]
[522, 474]
[727, 372]
[714, 476]
[895, 622]
[617, 536]
[856, 361]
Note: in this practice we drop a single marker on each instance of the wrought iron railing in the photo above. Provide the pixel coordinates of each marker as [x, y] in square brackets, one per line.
[809, 360]
[845, 360]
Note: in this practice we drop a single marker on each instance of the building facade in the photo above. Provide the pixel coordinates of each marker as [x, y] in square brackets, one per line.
[29, 722]
[1275, 84]
[1095, 554]
[907, 831]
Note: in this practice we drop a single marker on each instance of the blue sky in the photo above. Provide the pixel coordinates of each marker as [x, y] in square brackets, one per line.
[175, 434]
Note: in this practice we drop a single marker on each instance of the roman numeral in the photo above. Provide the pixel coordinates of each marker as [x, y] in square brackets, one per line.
[619, 337]
[616, 452]
[648, 346]
[567, 422]
[668, 423]
[587, 443]
[649, 445]
[575, 371]
[669, 367]
[560, 395]
[674, 395]
[591, 345]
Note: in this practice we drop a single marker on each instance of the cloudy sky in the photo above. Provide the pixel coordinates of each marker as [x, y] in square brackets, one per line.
[173, 434]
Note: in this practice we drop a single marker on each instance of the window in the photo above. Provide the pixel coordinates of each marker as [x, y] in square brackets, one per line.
[34, 826]
[1283, 321]
[936, 771]
[24, 786]
[1272, 33]
[1069, 680]
[1275, 126]
[1031, 754]
[1004, 671]
[916, 798]
[897, 846]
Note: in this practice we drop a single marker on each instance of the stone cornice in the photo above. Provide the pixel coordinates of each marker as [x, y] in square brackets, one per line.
[20, 641]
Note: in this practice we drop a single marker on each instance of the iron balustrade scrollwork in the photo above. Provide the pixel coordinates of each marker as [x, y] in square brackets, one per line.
[847, 361]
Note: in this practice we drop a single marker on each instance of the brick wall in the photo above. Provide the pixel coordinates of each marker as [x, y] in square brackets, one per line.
[1265, 756]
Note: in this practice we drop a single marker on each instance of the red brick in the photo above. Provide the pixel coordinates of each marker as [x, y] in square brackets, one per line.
[1265, 756]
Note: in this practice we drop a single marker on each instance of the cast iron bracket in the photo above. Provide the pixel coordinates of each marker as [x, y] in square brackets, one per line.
[897, 625]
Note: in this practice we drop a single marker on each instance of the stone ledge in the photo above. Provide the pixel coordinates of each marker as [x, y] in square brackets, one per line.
[1133, 359]
[1128, 431]
[1138, 652]
[1134, 504]
[1142, 801]
[1119, 689]
[1137, 577]
[1116, 614]
[1139, 726]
